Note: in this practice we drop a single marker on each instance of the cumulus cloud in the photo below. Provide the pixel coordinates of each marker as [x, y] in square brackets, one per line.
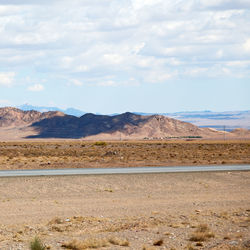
[36, 88]
[7, 78]
[147, 40]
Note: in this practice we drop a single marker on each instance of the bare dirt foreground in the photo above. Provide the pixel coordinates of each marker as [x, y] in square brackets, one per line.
[153, 211]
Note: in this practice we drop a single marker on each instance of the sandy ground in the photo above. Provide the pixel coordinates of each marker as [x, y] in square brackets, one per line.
[151, 211]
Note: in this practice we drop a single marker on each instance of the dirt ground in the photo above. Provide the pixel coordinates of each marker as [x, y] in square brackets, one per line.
[150, 211]
[83, 154]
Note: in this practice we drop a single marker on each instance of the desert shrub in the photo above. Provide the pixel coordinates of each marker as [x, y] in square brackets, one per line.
[201, 234]
[36, 244]
[100, 143]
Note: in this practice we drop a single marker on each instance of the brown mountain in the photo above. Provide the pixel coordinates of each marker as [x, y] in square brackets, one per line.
[15, 117]
[126, 126]
[33, 124]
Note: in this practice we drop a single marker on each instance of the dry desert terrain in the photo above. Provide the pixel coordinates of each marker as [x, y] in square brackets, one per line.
[151, 211]
[88, 154]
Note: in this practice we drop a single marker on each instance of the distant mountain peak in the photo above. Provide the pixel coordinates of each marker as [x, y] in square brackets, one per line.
[68, 111]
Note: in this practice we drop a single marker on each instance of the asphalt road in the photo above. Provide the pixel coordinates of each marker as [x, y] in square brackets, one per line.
[137, 170]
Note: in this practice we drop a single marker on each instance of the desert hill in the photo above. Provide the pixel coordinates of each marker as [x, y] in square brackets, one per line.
[15, 117]
[34, 124]
[127, 125]
[227, 120]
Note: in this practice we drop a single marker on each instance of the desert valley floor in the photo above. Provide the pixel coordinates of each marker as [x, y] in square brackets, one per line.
[146, 211]
[87, 154]
[152, 211]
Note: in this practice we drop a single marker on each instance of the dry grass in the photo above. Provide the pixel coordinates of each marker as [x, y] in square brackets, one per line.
[119, 242]
[60, 154]
[202, 233]
[95, 243]
[88, 243]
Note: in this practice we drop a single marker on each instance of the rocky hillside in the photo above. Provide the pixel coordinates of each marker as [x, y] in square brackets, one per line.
[15, 117]
[89, 126]
[127, 126]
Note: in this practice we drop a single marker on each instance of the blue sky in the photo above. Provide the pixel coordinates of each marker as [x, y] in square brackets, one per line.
[115, 56]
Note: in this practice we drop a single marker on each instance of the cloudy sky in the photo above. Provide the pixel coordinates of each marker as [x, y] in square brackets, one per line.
[111, 56]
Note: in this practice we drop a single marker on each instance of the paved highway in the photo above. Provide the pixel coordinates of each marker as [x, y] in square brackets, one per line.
[137, 170]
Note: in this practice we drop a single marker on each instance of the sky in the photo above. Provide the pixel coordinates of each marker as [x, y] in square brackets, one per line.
[113, 56]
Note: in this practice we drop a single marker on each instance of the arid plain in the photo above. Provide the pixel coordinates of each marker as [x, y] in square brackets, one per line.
[77, 153]
[150, 211]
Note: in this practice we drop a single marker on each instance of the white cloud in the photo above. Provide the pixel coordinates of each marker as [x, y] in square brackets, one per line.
[138, 4]
[113, 58]
[246, 45]
[148, 40]
[36, 88]
[82, 68]
[109, 83]
[196, 71]
[7, 78]
[219, 53]
[139, 47]
[159, 76]
[226, 71]
[75, 82]
[115, 83]
[66, 61]
[238, 64]
[225, 4]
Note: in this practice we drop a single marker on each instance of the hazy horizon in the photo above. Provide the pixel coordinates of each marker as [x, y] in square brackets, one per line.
[131, 111]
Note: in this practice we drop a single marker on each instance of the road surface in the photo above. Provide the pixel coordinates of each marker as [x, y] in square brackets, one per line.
[137, 170]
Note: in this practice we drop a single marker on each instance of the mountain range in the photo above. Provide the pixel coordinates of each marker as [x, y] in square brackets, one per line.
[16, 123]
[227, 120]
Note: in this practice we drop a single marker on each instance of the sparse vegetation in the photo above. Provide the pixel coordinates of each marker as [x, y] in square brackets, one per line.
[36, 244]
[202, 233]
[119, 242]
[63, 154]
[86, 244]
[100, 143]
